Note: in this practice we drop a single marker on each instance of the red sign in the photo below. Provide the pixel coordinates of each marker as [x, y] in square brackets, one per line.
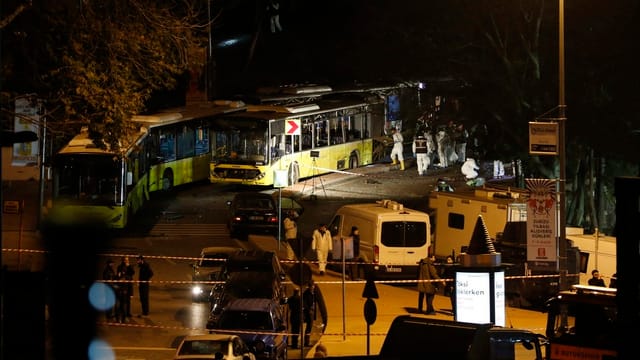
[292, 127]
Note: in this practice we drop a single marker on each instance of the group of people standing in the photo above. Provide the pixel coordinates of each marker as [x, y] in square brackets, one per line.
[597, 280]
[447, 144]
[121, 280]
[302, 309]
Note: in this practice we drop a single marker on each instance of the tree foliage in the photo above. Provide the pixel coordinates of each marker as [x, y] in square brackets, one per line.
[102, 67]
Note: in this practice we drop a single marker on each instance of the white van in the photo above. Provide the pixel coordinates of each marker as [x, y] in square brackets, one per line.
[393, 238]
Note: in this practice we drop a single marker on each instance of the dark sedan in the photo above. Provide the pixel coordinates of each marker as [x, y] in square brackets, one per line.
[253, 213]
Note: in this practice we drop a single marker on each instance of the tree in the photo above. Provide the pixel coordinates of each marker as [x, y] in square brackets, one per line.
[513, 71]
[101, 68]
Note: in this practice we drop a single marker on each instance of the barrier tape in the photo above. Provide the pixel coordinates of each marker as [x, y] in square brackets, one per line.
[159, 257]
[229, 331]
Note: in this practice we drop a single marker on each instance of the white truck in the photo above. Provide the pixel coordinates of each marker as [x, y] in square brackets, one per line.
[504, 215]
[456, 214]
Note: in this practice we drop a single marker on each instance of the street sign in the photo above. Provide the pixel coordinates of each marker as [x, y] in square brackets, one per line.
[292, 127]
[543, 138]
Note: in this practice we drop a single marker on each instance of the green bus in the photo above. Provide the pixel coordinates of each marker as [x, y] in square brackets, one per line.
[106, 187]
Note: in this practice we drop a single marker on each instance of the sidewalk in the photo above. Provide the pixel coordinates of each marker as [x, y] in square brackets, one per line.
[345, 334]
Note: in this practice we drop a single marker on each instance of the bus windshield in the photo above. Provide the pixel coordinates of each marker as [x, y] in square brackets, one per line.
[88, 179]
[240, 146]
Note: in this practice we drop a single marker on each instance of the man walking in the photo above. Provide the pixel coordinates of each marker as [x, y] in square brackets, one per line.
[322, 244]
[295, 311]
[426, 272]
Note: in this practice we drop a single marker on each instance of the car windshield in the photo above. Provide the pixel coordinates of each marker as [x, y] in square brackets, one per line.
[255, 320]
[254, 203]
[202, 347]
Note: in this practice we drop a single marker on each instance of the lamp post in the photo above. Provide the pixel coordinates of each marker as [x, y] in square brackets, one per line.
[562, 246]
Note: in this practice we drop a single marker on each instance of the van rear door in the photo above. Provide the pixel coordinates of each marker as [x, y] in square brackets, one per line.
[403, 243]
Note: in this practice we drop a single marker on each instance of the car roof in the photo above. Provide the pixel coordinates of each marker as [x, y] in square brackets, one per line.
[210, 337]
[220, 250]
[250, 304]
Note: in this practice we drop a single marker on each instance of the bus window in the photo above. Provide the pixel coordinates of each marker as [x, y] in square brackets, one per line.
[167, 145]
[322, 135]
[336, 132]
[185, 144]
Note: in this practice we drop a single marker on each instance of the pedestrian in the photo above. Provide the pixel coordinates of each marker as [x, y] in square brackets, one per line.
[343, 250]
[322, 244]
[421, 153]
[291, 230]
[460, 138]
[295, 311]
[354, 236]
[309, 310]
[144, 276]
[396, 151]
[109, 274]
[273, 8]
[449, 288]
[426, 287]
[596, 280]
[126, 271]
[123, 296]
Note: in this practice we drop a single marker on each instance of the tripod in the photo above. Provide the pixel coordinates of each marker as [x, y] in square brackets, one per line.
[314, 173]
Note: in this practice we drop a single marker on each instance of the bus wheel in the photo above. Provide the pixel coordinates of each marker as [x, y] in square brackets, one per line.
[167, 180]
[294, 174]
[353, 162]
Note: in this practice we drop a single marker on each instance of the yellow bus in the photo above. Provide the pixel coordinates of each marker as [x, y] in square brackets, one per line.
[305, 140]
[106, 186]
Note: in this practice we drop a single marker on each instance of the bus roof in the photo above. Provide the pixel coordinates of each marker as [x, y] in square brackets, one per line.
[83, 144]
[191, 111]
[273, 112]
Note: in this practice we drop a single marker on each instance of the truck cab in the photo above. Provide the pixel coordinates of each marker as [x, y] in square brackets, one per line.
[582, 324]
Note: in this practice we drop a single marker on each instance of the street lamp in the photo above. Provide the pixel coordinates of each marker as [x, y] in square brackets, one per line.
[562, 246]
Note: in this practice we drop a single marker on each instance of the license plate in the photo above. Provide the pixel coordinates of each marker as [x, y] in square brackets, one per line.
[394, 269]
[256, 218]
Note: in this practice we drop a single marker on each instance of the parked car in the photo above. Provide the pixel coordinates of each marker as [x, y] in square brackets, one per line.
[262, 325]
[196, 347]
[252, 213]
[209, 268]
[248, 274]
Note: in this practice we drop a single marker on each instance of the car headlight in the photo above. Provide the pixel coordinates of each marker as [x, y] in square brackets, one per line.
[197, 290]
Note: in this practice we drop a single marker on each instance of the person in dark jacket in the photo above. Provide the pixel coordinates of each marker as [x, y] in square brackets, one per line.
[295, 309]
[126, 271]
[596, 280]
[109, 274]
[426, 287]
[144, 276]
[309, 310]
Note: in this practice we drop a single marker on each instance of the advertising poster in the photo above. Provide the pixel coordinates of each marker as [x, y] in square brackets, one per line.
[541, 220]
[27, 119]
[473, 297]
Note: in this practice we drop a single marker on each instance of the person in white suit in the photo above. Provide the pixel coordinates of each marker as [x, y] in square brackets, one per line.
[322, 244]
